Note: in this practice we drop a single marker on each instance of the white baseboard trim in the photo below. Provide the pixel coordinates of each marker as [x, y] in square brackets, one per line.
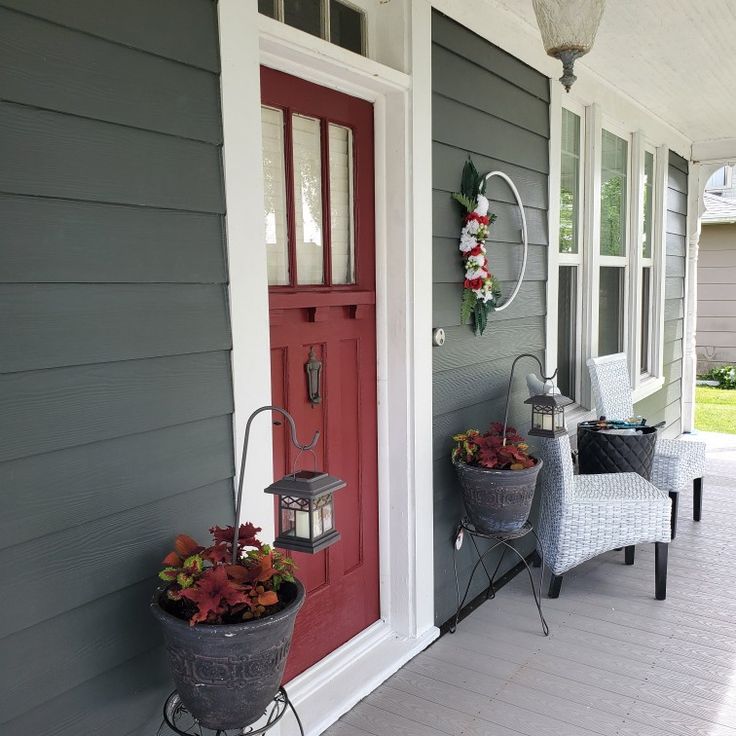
[336, 683]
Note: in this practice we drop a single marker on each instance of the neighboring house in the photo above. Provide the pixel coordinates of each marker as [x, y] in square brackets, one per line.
[150, 304]
[716, 329]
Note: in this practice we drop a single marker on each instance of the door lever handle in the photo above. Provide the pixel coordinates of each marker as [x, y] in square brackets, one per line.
[313, 367]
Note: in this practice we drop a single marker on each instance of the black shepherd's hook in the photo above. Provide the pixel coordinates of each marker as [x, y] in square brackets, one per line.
[294, 441]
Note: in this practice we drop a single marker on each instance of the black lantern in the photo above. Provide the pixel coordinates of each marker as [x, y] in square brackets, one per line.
[548, 414]
[306, 510]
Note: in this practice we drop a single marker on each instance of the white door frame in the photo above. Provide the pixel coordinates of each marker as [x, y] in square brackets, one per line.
[403, 321]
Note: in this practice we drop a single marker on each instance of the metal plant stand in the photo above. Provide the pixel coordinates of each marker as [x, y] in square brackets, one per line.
[499, 540]
[179, 720]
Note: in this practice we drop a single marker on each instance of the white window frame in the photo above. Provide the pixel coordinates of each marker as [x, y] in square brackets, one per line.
[589, 260]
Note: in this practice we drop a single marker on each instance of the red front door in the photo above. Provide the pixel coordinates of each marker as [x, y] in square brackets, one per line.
[318, 173]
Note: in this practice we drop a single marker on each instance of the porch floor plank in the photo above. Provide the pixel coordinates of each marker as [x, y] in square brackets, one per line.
[616, 663]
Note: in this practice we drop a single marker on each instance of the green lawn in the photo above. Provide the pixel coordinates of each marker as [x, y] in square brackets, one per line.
[715, 409]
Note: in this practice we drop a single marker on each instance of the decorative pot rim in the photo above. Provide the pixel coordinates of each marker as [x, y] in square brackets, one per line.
[524, 471]
[216, 629]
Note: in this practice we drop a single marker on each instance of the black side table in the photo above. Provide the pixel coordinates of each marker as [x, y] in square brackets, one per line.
[500, 539]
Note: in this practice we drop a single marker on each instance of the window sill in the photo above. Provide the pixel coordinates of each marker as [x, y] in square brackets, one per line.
[647, 387]
[576, 413]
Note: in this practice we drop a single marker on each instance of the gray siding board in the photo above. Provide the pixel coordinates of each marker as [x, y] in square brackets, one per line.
[113, 628]
[530, 301]
[115, 386]
[448, 160]
[674, 288]
[507, 257]
[41, 411]
[676, 223]
[676, 201]
[116, 702]
[450, 35]
[460, 79]
[505, 127]
[675, 267]
[48, 66]
[677, 179]
[510, 143]
[106, 556]
[176, 29]
[678, 162]
[49, 240]
[528, 332]
[675, 244]
[101, 479]
[446, 219]
[55, 155]
[53, 325]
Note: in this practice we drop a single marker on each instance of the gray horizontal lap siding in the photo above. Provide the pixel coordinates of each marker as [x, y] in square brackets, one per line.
[115, 386]
[664, 405]
[492, 106]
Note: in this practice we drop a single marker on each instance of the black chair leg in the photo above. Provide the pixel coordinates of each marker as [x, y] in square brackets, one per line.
[554, 586]
[661, 550]
[629, 553]
[536, 559]
[697, 498]
[674, 495]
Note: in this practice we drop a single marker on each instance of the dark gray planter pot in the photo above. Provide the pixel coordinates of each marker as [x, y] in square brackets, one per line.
[497, 501]
[227, 675]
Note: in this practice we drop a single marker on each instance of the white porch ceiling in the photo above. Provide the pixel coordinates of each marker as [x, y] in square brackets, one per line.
[677, 58]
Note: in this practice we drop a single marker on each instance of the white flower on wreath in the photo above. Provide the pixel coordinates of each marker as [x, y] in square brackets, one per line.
[476, 261]
[476, 273]
[467, 242]
[472, 227]
[481, 208]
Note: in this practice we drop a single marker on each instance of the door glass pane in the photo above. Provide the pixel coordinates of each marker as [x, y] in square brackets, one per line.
[567, 330]
[306, 15]
[569, 182]
[648, 203]
[646, 305]
[346, 27]
[614, 157]
[341, 205]
[274, 191]
[267, 7]
[308, 199]
[611, 314]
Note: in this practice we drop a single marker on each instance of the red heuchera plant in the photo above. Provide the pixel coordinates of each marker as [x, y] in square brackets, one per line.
[205, 587]
[488, 451]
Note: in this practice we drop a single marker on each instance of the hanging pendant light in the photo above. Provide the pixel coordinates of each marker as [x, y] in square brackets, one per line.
[568, 29]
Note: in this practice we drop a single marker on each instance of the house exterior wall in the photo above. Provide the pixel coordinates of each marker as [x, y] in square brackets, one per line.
[716, 324]
[666, 404]
[495, 108]
[115, 389]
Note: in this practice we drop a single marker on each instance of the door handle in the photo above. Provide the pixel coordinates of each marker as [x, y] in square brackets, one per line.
[313, 367]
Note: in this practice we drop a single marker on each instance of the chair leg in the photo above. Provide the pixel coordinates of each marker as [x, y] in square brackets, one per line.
[674, 495]
[697, 498]
[536, 559]
[629, 553]
[554, 586]
[661, 550]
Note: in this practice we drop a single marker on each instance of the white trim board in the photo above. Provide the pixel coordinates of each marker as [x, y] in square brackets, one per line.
[403, 319]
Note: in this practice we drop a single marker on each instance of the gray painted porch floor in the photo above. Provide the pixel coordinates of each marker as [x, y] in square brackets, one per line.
[617, 662]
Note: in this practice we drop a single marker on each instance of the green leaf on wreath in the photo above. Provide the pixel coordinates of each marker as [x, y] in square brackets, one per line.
[466, 202]
[470, 181]
[467, 305]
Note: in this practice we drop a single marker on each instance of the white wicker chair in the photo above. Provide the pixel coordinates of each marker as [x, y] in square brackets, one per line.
[677, 463]
[582, 516]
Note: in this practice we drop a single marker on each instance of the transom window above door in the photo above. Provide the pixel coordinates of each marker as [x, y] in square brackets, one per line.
[309, 201]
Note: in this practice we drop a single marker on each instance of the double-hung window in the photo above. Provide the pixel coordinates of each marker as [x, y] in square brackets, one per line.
[606, 265]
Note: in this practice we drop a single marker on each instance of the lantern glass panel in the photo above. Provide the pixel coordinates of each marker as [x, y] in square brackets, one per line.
[316, 523]
[288, 522]
[559, 418]
[327, 514]
[302, 524]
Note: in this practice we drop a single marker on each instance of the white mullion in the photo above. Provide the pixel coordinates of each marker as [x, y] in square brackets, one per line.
[659, 250]
[636, 216]
[591, 243]
[554, 257]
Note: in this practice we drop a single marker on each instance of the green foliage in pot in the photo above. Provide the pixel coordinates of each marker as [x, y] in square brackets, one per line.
[205, 587]
[487, 450]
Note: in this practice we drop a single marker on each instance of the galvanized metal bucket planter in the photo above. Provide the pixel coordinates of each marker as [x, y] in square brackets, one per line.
[497, 501]
[227, 674]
